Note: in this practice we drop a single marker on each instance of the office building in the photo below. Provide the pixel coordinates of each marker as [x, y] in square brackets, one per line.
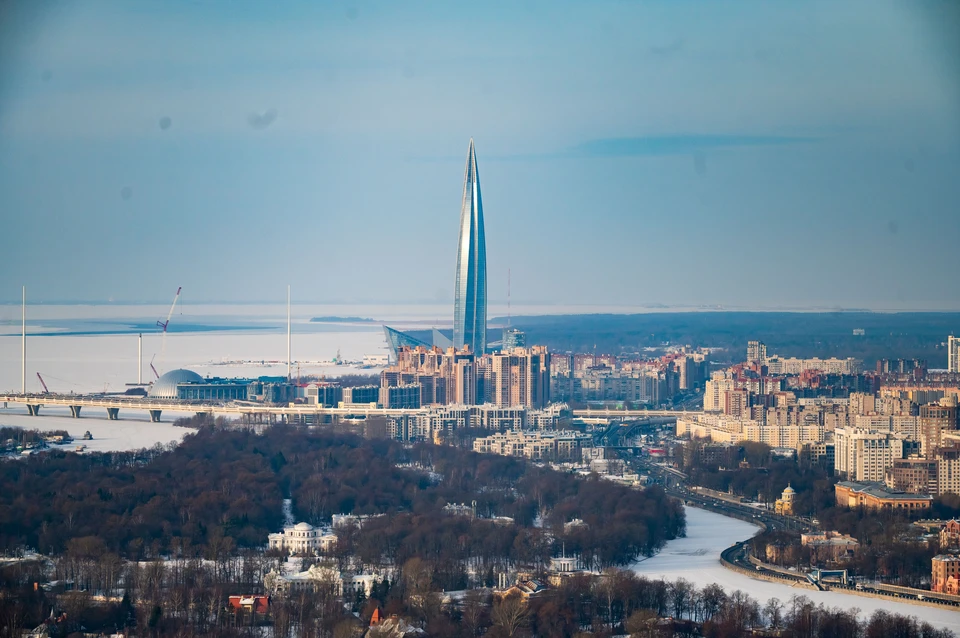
[470, 291]
[953, 354]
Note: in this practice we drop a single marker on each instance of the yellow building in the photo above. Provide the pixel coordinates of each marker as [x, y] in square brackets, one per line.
[784, 504]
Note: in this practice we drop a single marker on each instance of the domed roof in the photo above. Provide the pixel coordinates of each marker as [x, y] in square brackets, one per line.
[166, 386]
[789, 490]
[303, 527]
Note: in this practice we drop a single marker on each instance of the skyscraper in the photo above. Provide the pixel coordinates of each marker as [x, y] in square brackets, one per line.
[470, 295]
[953, 352]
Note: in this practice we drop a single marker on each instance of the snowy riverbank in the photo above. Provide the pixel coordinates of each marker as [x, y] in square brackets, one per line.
[697, 559]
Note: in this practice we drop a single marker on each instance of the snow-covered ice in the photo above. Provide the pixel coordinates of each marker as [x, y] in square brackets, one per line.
[697, 559]
[133, 431]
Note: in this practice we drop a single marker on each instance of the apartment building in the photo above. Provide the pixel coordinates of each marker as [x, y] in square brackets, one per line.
[865, 455]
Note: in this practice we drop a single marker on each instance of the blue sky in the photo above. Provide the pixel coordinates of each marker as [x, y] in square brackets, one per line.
[736, 154]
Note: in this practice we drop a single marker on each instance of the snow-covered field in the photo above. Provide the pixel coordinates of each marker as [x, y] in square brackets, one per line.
[697, 559]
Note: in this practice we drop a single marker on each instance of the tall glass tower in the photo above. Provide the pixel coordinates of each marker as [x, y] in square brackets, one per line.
[470, 296]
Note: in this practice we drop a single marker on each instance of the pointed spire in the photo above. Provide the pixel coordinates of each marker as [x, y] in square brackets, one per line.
[470, 301]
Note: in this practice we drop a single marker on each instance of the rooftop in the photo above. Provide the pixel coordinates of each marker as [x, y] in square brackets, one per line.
[879, 490]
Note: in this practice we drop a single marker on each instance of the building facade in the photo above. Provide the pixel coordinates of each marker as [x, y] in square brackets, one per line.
[945, 574]
[302, 538]
[865, 455]
[878, 496]
[470, 291]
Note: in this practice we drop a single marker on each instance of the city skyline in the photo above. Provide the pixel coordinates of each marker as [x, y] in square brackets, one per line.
[470, 291]
[643, 153]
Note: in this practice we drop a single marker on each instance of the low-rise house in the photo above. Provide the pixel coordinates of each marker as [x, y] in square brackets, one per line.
[950, 534]
[945, 574]
[250, 604]
[356, 520]
[459, 510]
[830, 545]
[574, 524]
[524, 588]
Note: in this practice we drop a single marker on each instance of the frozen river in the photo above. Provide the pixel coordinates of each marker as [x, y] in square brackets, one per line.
[132, 432]
[697, 559]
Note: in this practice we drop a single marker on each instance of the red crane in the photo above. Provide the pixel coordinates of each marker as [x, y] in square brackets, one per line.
[164, 324]
[155, 373]
[45, 390]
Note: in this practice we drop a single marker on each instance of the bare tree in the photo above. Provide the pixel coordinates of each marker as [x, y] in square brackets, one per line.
[510, 614]
[773, 611]
[475, 604]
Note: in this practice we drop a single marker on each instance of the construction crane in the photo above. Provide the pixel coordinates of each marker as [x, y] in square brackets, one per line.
[164, 324]
[155, 373]
[45, 390]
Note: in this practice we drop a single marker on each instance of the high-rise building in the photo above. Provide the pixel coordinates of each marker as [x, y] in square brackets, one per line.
[865, 455]
[953, 353]
[520, 377]
[756, 352]
[513, 338]
[935, 419]
[470, 294]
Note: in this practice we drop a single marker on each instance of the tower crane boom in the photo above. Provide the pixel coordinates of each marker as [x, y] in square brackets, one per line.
[45, 390]
[164, 324]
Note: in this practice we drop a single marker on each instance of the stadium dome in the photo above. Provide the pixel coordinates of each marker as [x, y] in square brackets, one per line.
[166, 386]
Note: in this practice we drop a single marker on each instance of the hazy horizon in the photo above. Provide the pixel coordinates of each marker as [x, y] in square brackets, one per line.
[748, 155]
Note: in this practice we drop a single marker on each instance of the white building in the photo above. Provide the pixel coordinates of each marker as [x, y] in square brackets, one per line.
[865, 455]
[724, 429]
[320, 577]
[953, 353]
[302, 538]
[779, 365]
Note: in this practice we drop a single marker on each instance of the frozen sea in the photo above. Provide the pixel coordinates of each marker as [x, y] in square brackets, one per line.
[697, 559]
[93, 348]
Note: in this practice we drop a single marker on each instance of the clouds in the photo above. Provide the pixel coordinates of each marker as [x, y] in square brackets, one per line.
[236, 122]
[260, 121]
[655, 145]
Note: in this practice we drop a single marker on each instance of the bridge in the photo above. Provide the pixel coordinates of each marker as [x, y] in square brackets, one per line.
[253, 411]
[606, 413]
[259, 412]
